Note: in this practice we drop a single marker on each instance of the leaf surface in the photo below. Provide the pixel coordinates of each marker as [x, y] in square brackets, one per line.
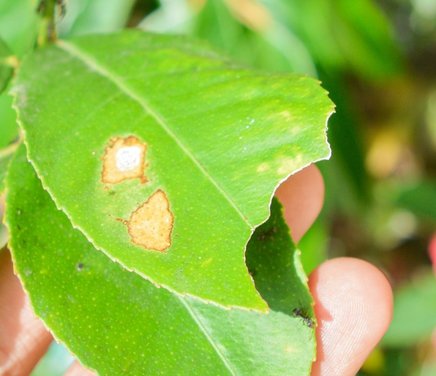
[5, 68]
[118, 323]
[214, 139]
[4, 163]
[6, 153]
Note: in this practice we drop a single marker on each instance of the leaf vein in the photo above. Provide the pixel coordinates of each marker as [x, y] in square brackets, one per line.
[208, 335]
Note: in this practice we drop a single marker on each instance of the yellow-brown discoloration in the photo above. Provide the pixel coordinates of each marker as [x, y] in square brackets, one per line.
[286, 164]
[263, 167]
[150, 225]
[124, 158]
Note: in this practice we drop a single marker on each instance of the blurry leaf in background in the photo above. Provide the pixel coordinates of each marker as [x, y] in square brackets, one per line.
[428, 369]
[375, 362]
[338, 36]
[423, 16]
[8, 126]
[246, 30]
[5, 65]
[8, 129]
[18, 24]
[334, 34]
[313, 246]
[414, 312]
[94, 16]
[431, 117]
[5, 158]
[365, 37]
[347, 162]
[419, 198]
[172, 16]
[18, 28]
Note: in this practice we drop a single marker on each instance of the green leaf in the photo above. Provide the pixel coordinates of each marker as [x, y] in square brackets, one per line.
[348, 162]
[118, 323]
[18, 29]
[9, 127]
[338, 37]
[94, 16]
[18, 24]
[6, 152]
[6, 69]
[414, 312]
[313, 245]
[272, 46]
[419, 198]
[4, 163]
[219, 138]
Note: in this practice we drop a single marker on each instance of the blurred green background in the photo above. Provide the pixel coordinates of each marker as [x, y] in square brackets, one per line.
[377, 59]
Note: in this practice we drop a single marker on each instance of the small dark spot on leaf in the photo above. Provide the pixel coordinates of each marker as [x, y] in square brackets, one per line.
[80, 266]
[267, 234]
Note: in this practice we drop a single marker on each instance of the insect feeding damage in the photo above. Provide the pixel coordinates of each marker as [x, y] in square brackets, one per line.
[151, 224]
[124, 158]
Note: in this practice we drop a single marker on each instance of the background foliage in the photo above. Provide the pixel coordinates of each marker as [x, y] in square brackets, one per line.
[376, 58]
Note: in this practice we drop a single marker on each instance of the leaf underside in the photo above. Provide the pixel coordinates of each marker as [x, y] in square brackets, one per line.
[118, 323]
[219, 138]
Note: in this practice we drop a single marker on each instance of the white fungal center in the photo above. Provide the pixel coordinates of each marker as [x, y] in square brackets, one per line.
[124, 158]
[128, 158]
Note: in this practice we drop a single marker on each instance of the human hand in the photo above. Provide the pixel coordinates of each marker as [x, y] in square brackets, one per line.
[353, 300]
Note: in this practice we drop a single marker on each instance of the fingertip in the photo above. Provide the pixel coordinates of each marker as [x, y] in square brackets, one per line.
[302, 197]
[23, 337]
[354, 308]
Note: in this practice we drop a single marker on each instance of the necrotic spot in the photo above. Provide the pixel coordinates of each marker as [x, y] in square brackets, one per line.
[124, 158]
[151, 224]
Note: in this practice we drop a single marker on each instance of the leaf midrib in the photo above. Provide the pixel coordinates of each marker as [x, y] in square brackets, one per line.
[91, 63]
[206, 333]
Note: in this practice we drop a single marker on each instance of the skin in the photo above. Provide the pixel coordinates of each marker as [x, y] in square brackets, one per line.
[353, 300]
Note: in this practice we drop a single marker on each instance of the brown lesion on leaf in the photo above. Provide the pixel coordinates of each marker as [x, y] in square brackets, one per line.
[151, 224]
[124, 158]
